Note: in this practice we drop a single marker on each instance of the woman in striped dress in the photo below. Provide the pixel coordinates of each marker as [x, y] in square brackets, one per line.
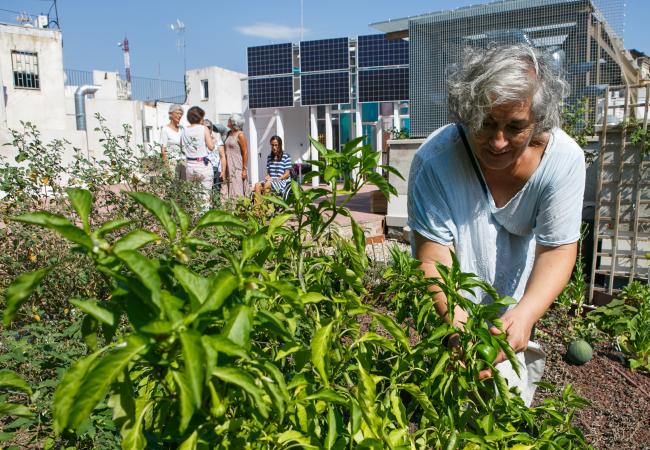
[278, 170]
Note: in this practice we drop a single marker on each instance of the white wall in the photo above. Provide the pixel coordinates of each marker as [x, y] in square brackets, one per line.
[44, 106]
[224, 91]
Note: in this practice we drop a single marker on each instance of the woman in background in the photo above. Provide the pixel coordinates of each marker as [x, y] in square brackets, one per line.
[236, 152]
[278, 170]
[197, 141]
[217, 157]
[170, 140]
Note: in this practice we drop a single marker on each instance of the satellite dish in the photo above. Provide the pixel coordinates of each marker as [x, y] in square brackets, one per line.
[178, 26]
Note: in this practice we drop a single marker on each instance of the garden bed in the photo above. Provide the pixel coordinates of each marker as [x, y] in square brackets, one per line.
[619, 417]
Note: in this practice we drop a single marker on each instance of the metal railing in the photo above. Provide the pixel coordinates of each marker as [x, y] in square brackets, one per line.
[142, 88]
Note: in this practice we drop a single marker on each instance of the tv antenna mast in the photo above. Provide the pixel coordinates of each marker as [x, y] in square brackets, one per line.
[179, 28]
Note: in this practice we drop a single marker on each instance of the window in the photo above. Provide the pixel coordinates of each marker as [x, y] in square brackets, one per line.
[204, 89]
[147, 134]
[25, 67]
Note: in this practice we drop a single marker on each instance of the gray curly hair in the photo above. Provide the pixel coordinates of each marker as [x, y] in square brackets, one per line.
[174, 108]
[498, 75]
[237, 121]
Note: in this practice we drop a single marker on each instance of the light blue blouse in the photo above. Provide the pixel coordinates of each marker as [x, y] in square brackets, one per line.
[447, 205]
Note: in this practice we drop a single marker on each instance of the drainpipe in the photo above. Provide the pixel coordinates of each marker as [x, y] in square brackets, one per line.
[80, 104]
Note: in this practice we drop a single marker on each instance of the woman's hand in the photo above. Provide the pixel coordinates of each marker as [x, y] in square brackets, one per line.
[244, 174]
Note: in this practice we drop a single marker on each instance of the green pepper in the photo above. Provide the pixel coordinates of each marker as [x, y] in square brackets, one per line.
[486, 353]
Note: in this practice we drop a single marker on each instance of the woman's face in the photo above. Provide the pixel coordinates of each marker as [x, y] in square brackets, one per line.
[176, 116]
[504, 135]
[275, 147]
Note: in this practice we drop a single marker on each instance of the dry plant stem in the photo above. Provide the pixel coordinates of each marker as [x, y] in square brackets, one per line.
[631, 381]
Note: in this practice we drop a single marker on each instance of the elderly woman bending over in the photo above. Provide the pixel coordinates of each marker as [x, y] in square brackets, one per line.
[502, 188]
[236, 152]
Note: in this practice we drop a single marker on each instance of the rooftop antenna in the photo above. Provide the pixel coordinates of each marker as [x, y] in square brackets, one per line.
[127, 63]
[23, 18]
[179, 28]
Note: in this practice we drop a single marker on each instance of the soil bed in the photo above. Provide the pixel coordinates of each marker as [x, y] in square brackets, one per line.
[619, 417]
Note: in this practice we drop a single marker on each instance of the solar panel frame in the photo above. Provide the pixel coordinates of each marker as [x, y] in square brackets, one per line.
[275, 59]
[376, 50]
[324, 54]
[383, 84]
[328, 88]
[270, 92]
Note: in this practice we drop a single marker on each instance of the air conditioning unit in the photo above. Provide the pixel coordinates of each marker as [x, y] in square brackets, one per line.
[41, 22]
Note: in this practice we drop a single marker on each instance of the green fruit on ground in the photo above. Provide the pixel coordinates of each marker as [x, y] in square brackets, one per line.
[579, 352]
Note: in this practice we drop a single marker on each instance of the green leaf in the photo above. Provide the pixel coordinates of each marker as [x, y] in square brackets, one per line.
[183, 218]
[224, 345]
[186, 404]
[216, 218]
[112, 225]
[14, 409]
[221, 286]
[312, 297]
[320, 348]
[252, 245]
[330, 174]
[191, 442]
[359, 238]
[193, 357]
[12, 381]
[95, 383]
[394, 329]
[328, 395]
[158, 208]
[133, 438]
[134, 240]
[93, 308]
[196, 286]
[276, 222]
[68, 390]
[242, 379]
[239, 325]
[59, 224]
[19, 291]
[145, 271]
[82, 202]
[290, 436]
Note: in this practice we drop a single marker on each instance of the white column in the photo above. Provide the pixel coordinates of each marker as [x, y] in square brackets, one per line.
[313, 131]
[358, 130]
[397, 123]
[279, 125]
[253, 155]
[329, 136]
[379, 138]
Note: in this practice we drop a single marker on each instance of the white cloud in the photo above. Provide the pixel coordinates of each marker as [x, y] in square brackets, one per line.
[271, 31]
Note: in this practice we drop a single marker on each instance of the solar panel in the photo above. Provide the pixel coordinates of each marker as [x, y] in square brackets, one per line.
[384, 85]
[325, 88]
[325, 54]
[274, 59]
[270, 92]
[376, 50]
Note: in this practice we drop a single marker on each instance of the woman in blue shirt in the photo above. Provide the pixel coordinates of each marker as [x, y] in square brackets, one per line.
[278, 170]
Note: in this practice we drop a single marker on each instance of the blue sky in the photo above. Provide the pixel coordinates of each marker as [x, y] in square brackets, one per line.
[218, 32]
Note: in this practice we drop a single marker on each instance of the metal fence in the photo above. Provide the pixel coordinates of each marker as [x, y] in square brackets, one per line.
[145, 89]
[583, 36]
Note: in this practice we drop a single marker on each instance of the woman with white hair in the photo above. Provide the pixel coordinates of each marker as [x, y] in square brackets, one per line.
[236, 152]
[170, 141]
[502, 188]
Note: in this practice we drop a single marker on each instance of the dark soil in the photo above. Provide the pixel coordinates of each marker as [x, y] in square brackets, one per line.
[619, 415]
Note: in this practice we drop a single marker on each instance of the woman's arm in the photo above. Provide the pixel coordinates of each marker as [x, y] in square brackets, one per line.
[243, 145]
[429, 253]
[224, 162]
[551, 272]
[209, 140]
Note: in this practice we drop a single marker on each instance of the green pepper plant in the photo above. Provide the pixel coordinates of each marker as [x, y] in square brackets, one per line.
[274, 342]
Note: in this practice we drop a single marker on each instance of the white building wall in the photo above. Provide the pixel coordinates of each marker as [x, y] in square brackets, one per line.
[43, 106]
[225, 92]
